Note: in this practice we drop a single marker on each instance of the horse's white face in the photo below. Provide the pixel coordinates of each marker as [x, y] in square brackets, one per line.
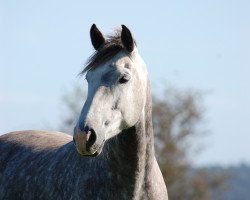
[115, 101]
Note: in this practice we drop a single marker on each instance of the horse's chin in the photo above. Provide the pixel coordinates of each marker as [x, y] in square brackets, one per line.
[94, 154]
[91, 155]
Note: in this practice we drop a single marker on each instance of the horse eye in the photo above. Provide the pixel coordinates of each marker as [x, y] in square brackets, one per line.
[124, 79]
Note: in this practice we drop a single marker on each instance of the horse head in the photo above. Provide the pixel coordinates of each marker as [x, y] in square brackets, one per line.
[117, 84]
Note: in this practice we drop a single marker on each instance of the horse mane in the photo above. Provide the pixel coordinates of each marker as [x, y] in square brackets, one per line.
[112, 46]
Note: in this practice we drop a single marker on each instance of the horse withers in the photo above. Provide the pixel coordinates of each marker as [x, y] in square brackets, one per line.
[113, 137]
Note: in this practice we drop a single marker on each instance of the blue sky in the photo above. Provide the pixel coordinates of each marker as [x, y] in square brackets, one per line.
[202, 45]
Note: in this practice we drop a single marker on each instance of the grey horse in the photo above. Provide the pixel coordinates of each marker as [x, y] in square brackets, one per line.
[111, 155]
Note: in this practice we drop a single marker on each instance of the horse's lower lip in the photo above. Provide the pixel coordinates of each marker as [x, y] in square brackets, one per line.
[96, 153]
[91, 155]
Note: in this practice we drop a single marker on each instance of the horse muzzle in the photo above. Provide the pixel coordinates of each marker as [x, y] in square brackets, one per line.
[86, 141]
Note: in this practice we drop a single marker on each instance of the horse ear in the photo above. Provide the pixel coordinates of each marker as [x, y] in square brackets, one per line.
[127, 39]
[96, 36]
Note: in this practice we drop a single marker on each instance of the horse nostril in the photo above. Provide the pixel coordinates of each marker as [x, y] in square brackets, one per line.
[91, 138]
[106, 123]
[74, 141]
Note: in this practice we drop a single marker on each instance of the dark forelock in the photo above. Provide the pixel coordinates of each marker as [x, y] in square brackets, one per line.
[112, 46]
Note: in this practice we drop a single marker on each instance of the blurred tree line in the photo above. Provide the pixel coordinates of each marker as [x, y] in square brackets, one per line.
[177, 120]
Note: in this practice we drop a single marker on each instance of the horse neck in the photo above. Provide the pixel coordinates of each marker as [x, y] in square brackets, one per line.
[132, 153]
